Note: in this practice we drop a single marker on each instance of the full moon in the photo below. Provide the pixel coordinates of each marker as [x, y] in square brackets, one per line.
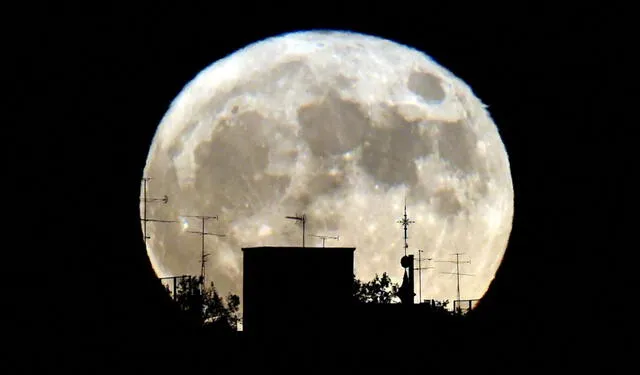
[343, 128]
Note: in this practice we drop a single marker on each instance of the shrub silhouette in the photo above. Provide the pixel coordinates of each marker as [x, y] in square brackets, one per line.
[203, 306]
[378, 290]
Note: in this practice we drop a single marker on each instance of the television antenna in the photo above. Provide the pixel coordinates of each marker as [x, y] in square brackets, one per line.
[337, 238]
[457, 273]
[302, 219]
[419, 269]
[202, 232]
[145, 199]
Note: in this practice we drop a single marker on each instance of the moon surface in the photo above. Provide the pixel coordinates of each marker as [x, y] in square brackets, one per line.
[340, 127]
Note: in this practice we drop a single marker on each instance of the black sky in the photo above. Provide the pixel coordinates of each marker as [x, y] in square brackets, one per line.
[89, 86]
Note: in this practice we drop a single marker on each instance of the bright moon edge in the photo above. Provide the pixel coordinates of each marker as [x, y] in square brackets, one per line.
[324, 58]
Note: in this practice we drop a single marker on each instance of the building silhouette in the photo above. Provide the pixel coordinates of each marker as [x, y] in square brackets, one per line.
[299, 291]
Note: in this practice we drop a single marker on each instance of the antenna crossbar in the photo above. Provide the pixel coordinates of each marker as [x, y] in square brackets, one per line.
[337, 238]
[456, 273]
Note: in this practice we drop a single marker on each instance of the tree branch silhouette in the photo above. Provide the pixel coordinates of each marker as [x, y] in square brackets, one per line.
[204, 307]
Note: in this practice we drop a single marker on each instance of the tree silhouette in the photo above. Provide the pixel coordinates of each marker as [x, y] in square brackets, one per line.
[203, 305]
[381, 290]
[378, 290]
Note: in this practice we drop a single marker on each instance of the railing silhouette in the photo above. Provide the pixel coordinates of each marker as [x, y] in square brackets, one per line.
[464, 306]
[171, 283]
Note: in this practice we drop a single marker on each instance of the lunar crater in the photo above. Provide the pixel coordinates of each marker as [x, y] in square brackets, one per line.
[427, 86]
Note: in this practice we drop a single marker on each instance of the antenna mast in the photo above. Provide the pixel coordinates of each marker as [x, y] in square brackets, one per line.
[419, 269]
[457, 273]
[303, 219]
[405, 223]
[337, 238]
[202, 232]
[145, 200]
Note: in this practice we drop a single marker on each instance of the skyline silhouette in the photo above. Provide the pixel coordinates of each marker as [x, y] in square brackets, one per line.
[405, 221]
[89, 93]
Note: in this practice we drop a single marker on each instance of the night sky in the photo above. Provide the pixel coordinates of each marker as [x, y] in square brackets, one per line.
[89, 86]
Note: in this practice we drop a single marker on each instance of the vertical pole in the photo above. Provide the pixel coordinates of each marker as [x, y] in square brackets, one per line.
[144, 203]
[202, 253]
[302, 218]
[420, 275]
[175, 290]
[405, 228]
[411, 279]
[458, 274]
[405, 223]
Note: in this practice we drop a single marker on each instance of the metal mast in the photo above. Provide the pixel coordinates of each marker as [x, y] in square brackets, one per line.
[303, 219]
[419, 269]
[457, 273]
[145, 200]
[202, 232]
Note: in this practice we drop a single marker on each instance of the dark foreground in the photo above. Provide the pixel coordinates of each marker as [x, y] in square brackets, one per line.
[370, 343]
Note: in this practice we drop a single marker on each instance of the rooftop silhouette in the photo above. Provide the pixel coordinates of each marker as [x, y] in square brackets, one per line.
[296, 289]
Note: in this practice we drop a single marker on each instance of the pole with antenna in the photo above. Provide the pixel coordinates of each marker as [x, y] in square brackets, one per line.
[145, 199]
[419, 269]
[337, 238]
[302, 219]
[202, 232]
[457, 273]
